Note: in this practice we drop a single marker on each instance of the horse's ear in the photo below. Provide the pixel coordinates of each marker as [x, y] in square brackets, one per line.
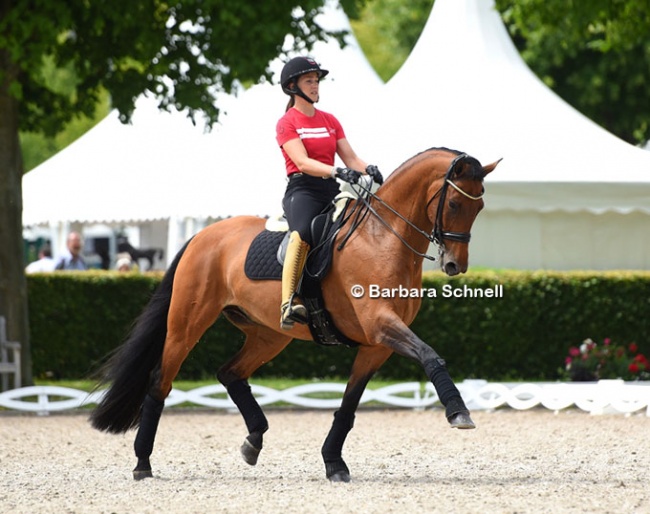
[490, 167]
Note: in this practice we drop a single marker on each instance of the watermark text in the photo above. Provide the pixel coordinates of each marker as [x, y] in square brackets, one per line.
[446, 291]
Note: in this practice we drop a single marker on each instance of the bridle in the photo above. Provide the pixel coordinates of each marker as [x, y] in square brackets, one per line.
[438, 235]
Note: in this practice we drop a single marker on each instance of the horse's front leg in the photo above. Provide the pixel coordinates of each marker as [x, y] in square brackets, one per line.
[399, 338]
[368, 360]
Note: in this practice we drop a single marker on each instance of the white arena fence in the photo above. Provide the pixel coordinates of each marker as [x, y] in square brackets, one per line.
[602, 397]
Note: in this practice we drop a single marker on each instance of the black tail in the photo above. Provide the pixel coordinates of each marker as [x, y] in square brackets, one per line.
[130, 369]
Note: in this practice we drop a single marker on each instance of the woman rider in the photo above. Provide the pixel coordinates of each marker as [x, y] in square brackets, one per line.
[309, 139]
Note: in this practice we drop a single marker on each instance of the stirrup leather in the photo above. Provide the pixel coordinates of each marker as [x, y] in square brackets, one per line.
[294, 263]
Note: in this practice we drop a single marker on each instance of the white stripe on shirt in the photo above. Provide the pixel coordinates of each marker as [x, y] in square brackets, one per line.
[312, 133]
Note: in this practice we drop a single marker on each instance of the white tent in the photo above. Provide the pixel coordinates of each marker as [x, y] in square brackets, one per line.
[167, 177]
[568, 194]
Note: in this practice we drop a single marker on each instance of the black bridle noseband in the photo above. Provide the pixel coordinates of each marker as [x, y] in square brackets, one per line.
[437, 236]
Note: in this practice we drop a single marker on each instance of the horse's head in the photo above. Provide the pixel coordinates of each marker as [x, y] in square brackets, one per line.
[456, 200]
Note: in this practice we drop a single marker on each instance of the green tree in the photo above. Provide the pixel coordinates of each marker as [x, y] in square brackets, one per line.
[183, 52]
[387, 30]
[594, 54]
[37, 147]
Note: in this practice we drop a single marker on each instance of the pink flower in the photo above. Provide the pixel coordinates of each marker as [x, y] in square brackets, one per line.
[607, 341]
[574, 351]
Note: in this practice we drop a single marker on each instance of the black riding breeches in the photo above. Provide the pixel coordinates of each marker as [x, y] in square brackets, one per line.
[305, 198]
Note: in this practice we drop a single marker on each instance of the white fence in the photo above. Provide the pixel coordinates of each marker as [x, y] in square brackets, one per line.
[605, 396]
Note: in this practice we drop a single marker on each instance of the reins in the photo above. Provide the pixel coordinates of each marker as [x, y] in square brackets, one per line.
[437, 236]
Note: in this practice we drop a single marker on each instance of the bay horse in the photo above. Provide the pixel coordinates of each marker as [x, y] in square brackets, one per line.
[434, 196]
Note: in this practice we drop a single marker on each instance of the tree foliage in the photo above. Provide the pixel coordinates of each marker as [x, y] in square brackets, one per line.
[594, 54]
[387, 30]
[184, 51]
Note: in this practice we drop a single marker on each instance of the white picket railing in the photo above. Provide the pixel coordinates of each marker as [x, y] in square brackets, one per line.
[605, 396]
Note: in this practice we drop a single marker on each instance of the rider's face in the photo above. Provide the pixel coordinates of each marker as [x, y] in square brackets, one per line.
[308, 84]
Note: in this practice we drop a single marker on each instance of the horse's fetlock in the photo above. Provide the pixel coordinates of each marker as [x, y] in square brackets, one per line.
[256, 439]
[337, 471]
[455, 406]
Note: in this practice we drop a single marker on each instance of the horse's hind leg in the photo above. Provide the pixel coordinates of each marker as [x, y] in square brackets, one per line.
[368, 360]
[261, 346]
[143, 445]
[185, 327]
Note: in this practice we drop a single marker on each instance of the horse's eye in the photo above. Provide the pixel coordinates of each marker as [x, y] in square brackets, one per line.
[453, 205]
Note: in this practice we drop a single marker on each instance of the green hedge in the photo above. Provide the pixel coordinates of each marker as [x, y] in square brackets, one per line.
[76, 319]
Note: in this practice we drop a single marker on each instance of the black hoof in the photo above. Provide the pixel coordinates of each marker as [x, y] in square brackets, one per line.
[337, 471]
[249, 452]
[141, 474]
[341, 476]
[461, 420]
[142, 470]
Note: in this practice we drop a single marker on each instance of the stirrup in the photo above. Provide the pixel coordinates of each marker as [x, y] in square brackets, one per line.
[293, 313]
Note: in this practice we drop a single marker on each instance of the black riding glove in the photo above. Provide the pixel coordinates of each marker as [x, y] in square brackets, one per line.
[348, 175]
[374, 172]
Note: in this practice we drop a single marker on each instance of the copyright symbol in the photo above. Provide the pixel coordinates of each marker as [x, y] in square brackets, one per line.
[357, 291]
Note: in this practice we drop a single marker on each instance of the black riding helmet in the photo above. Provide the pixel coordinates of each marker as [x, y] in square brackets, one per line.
[295, 68]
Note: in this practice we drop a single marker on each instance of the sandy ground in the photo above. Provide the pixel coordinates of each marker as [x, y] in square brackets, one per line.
[400, 461]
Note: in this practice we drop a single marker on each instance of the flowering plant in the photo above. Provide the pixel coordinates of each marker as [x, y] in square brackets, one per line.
[591, 361]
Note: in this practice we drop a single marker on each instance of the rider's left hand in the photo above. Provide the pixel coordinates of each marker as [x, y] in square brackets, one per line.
[374, 172]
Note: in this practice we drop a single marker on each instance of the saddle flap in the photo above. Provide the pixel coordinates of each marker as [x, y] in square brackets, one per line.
[282, 249]
[319, 226]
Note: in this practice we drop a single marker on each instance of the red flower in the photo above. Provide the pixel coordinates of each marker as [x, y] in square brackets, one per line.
[574, 351]
[633, 368]
[642, 360]
[633, 347]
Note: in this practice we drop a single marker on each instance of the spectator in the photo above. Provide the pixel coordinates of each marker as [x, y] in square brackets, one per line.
[73, 260]
[44, 263]
[124, 264]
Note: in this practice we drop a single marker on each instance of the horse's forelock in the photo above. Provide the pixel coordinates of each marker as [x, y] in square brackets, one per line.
[472, 169]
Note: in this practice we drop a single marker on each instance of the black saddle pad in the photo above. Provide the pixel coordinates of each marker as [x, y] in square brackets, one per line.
[262, 264]
[261, 260]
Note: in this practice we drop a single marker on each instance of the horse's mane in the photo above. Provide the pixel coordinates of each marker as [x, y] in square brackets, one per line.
[473, 172]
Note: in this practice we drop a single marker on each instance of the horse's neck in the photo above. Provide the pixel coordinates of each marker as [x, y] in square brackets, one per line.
[406, 193]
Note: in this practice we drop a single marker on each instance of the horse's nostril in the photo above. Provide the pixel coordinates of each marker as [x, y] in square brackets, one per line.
[451, 268]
